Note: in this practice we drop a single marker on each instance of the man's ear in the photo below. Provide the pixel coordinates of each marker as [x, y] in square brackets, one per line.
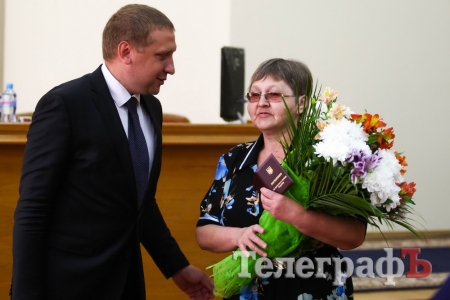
[124, 52]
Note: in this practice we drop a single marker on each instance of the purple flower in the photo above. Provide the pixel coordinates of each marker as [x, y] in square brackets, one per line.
[356, 156]
[362, 163]
[372, 161]
[358, 171]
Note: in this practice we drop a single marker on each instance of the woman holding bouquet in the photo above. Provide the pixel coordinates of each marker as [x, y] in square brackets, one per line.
[230, 211]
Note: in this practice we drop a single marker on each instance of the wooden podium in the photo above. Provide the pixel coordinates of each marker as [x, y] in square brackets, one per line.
[190, 156]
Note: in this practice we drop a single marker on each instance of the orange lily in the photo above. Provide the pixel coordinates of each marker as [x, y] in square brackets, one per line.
[370, 123]
[401, 161]
[385, 138]
[407, 189]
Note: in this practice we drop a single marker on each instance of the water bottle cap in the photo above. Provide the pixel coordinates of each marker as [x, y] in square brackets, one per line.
[9, 85]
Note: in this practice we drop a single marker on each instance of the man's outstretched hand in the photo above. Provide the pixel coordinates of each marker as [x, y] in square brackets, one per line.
[195, 283]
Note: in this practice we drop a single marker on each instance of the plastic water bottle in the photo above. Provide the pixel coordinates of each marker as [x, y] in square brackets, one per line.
[9, 104]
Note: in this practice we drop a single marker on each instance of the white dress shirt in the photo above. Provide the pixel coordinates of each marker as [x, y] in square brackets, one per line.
[121, 96]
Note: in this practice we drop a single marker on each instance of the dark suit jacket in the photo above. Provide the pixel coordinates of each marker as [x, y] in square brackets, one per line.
[78, 228]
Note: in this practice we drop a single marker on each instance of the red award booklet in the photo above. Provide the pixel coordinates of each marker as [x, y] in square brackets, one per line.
[272, 176]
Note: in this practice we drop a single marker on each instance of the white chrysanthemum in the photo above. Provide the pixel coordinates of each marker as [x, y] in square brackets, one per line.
[339, 138]
[381, 182]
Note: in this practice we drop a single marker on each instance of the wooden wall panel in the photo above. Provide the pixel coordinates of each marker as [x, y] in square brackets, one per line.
[190, 155]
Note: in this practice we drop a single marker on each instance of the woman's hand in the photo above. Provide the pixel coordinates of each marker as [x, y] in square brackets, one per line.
[219, 239]
[347, 233]
[246, 238]
[281, 207]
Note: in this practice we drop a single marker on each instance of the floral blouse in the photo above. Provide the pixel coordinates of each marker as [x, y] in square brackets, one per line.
[233, 201]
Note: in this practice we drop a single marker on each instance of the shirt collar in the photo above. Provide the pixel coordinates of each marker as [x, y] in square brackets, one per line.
[252, 156]
[118, 92]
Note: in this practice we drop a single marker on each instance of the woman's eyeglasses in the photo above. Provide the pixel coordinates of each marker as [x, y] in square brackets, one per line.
[271, 97]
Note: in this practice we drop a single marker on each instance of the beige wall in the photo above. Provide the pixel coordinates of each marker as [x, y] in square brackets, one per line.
[50, 42]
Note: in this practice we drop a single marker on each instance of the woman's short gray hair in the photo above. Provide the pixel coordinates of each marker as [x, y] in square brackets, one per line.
[295, 73]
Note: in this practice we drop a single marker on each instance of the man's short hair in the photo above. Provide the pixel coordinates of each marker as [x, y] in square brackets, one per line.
[133, 23]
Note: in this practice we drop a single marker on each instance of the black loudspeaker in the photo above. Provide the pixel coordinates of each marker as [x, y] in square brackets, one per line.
[232, 84]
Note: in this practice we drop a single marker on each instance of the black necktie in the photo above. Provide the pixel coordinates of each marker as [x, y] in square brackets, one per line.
[138, 149]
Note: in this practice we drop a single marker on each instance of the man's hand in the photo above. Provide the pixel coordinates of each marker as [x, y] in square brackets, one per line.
[195, 283]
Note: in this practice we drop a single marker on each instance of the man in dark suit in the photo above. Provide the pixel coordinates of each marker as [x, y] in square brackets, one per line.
[90, 171]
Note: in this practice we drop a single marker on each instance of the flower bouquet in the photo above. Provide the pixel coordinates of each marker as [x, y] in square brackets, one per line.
[341, 164]
[349, 163]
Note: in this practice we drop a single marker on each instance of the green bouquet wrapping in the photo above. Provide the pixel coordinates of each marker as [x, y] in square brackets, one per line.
[281, 238]
[341, 164]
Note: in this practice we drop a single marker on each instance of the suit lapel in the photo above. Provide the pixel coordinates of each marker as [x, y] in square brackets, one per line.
[153, 109]
[108, 111]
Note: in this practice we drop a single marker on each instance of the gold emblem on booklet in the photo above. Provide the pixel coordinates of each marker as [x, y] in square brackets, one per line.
[272, 176]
